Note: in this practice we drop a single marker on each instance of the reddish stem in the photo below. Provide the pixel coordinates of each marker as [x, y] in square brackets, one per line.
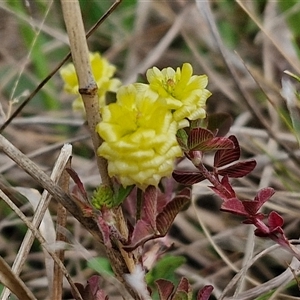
[196, 158]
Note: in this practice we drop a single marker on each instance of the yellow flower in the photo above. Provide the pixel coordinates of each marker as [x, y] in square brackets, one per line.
[103, 72]
[139, 136]
[183, 92]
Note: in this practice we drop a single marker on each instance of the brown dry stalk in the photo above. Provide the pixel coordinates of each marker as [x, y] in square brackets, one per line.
[122, 261]
[27, 242]
[87, 85]
[57, 289]
[13, 282]
[60, 64]
[45, 181]
[42, 241]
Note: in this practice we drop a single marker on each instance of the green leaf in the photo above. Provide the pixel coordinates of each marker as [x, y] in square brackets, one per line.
[182, 138]
[292, 75]
[35, 42]
[101, 265]
[103, 196]
[181, 295]
[165, 269]
[121, 194]
[199, 123]
[292, 19]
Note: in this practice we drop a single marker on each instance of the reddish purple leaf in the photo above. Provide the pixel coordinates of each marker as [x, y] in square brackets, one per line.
[215, 144]
[264, 195]
[187, 178]
[78, 183]
[226, 184]
[234, 206]
[92, 290]
[154, 224]
[184, 285]
[93, 284]
[226, 191]
[82, 291]
[163, 199]
[165, 218]
[184, 290]
[275, 221]
[198, 137]
[165, 289]
[105, 230]
[149, 210]
[205, 292]
[142, 233]
[220, 122]
[239, 169]
[201, 139]
[145, 228]
[260, 233]
[227, 156]
[251, 207]
[101, 295]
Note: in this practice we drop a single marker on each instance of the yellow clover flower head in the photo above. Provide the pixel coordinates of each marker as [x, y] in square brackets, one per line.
[184, 93]
[139, 136]
[103, 72]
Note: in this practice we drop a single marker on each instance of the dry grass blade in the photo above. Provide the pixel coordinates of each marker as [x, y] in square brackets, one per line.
[42, 241]
[205, 6]
[274, 283]
[45, 181]
[251, 103]
[243, 47]
[61, 222]
[218, 249]
[44, 150]
[42, 206]
[293, 62]
[163, 44]
[54, 71]
[13, 282]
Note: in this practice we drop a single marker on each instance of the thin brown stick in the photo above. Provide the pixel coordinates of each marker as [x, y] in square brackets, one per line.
[60, 237]
[64, 60]
[122, 261]
[44, 180]
[27, 242]
[205, 7]
[87, 85]
[43, 243]
[12, 281]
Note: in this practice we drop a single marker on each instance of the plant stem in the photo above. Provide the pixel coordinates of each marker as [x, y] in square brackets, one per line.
[87, 85]
[51, 74]
[208, 175]
[139, 201]
[122, 261]
[45, 181]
